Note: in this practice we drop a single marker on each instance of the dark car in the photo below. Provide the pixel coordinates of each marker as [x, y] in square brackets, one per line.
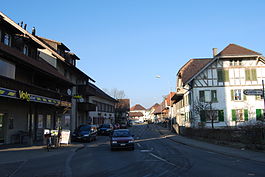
[121, 138]
[85, 133]
[105, 129]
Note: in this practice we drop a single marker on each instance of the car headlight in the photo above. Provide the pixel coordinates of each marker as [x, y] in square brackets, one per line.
[131, 141]
[86, 135]
[114, 142]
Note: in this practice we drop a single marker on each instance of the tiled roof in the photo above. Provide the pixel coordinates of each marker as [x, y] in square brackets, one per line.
[192, 67]
[169, 96]
[135, 114]
[236, 50]
[137, 107]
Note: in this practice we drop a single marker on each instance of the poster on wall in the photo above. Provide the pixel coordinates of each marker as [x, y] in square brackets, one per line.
[40, 121]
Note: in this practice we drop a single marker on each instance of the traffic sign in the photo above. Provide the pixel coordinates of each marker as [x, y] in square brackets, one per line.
[253, 92]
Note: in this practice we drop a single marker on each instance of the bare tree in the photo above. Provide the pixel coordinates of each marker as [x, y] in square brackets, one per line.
[115, 93]
[206, 111]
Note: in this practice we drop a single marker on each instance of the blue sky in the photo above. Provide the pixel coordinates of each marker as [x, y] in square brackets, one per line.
[124, 44]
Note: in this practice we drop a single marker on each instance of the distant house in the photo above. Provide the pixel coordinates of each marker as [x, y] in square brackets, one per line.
[220, 82]
[137, 113]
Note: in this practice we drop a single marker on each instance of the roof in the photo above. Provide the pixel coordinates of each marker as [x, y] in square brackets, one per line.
[135, 114]
[154, 106]
[192, 67]
[158, 109]
[57, 42]
[98, 92]
[168, 98]
[236, 50]
[137, 107]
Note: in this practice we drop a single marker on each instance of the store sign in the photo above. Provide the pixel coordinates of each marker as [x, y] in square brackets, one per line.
[24, 95]
[8, 93]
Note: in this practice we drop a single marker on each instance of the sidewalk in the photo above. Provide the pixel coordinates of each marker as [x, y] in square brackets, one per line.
[232, 152]
[16, 153]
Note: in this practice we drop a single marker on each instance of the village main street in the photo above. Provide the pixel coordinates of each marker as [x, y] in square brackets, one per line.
[156, 154]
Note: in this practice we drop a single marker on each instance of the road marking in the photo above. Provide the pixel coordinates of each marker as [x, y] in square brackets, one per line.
[18, 169]
[145, 150]
[139, 145]
[251, 174]
[164, 160]
[161, 174]
[147, 175]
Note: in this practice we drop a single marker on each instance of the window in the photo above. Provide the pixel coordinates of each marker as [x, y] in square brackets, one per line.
[222, 75]
[208, 115]
[48, 121]
[7, 69]
[239, 114]
[208, 96]
[25, 50]
[237, 95]
[250, 74]
[235, 62]
[7, 39]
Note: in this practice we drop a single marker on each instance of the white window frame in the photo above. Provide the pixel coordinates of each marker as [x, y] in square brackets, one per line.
[7, 39]
[238, 95]
[240, 117]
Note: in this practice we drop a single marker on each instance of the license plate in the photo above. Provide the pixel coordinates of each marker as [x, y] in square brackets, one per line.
[122, 144]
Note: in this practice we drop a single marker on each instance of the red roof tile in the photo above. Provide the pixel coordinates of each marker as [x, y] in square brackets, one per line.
[192, 67]
[236, 50]
[137, 107]
[135, 114]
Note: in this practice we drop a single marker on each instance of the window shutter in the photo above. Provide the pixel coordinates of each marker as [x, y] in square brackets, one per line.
[246, 114]
[226, 77]
[220, 75]
[233, 115]
[247, 73]
[201, 95]
[232, 95]
[258, 114]
[254, 74]
[221, 115]
[203, 116]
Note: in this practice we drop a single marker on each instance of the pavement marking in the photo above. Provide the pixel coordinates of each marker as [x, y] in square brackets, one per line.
[147, 175]
[139, 145]
[161, 174]
[164, 160]
[12, 174]
[251, 174]
[145, 150]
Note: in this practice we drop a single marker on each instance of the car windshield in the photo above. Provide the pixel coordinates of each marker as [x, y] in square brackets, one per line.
[106, 126]
[121, 134]
[85, 128]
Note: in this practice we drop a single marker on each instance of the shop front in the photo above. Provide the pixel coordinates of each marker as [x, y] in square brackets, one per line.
[24, 116]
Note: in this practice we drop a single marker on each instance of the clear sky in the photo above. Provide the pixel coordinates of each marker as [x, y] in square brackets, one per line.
[124, 44]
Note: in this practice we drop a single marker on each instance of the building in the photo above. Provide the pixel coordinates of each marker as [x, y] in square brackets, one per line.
[138, 113]
[210, 91]
[33, 94]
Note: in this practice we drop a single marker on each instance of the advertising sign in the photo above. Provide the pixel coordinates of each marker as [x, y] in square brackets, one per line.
[65, 136]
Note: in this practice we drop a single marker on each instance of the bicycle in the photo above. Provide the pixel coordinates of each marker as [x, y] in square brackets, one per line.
[48, 138]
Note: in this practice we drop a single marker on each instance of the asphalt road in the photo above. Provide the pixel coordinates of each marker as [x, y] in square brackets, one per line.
[154, 156]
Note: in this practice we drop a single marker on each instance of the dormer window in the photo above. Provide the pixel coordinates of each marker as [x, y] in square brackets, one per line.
[7, 39]
[26, 50]
[235, 62]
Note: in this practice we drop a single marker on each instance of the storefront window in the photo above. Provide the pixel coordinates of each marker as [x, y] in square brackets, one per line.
[40, 121]
[49, 121]
[7, 69]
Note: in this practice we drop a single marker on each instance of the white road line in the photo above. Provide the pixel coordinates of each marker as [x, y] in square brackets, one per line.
[161, 174]
[147, 175]
[164, 160]
[139, 145]
[18, 169]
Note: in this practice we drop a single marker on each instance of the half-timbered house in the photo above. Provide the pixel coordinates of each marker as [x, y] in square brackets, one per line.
[211, 90]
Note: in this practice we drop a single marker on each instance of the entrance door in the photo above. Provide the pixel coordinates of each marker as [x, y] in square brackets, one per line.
[2, 128]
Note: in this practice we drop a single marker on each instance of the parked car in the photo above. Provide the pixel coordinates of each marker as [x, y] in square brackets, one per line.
[85, 133]
[121, 138]
[105, 129]
[123, 125]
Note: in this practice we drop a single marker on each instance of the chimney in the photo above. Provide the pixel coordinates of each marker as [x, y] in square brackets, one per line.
[25, 27]
[214, 52]
[21, 23]
[33, 31]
